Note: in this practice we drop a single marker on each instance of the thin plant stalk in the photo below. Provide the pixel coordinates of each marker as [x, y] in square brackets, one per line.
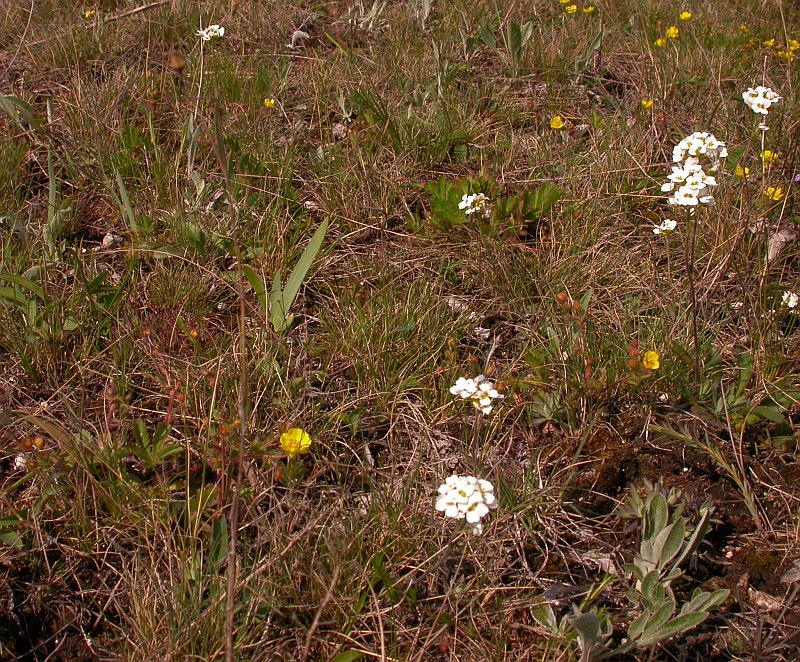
[200, 82]
[689, 248]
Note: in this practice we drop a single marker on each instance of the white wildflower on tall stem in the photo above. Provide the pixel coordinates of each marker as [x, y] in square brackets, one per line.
[205, 34]
[691, 187]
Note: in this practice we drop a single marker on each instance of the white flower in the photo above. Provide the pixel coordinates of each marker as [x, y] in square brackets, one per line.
[685, 196]
[472, 203]
[667, 227]
[480, 391]
[210, 32]
[760, 98]
[467, 498]
[700, 148]
[790, 299]
[20, 462]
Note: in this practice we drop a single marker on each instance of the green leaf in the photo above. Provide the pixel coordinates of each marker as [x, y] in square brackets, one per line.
[281, 319]
[638, 625]
[218, 547]
[669, 542]
[24, 283]
[658, 619]
[348, 656]
[541, 201]
[140, 433]
[676, 626]
[258, 285]
[487, 37]
[514, 41]
[544, 615]
[770, 413]
[657, 515]
[125, 202]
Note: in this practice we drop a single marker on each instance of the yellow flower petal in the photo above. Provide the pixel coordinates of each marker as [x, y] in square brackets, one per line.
[295, 442]
[557, 122]
[650, 361]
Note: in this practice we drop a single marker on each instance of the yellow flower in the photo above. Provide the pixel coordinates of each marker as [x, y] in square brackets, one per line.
[647, 104]
[744, 29]
[685, 15]
[742, 172]
[563, 2]
[774, 193]
[672, 32]
[591, 9]
[650, 361]
[769, 43]
[785, 55]
[295, 442]
[269, 102]
[571, 9]
[557, 122]
[660, 42]
[768, 156]
[88, 14]
[794, 45]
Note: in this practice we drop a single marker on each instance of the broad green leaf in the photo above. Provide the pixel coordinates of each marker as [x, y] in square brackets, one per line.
[544, 615]
[280, 318]
[24, 283]
[669, 542]
[258, 285]
[514, 40]
[487, 37]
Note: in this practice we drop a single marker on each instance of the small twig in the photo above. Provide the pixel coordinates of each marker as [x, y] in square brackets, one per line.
[318, 618]
[128, 12]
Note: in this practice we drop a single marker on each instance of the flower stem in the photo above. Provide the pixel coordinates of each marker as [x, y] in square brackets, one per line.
[689, 247]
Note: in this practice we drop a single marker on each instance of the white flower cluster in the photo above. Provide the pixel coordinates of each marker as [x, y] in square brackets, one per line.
[468, 498]
[667, 226]
[689, 183]
[790, 300]
[759, 99]
[480, 391]
[473, 203]
[701, 147]
[210, 32]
